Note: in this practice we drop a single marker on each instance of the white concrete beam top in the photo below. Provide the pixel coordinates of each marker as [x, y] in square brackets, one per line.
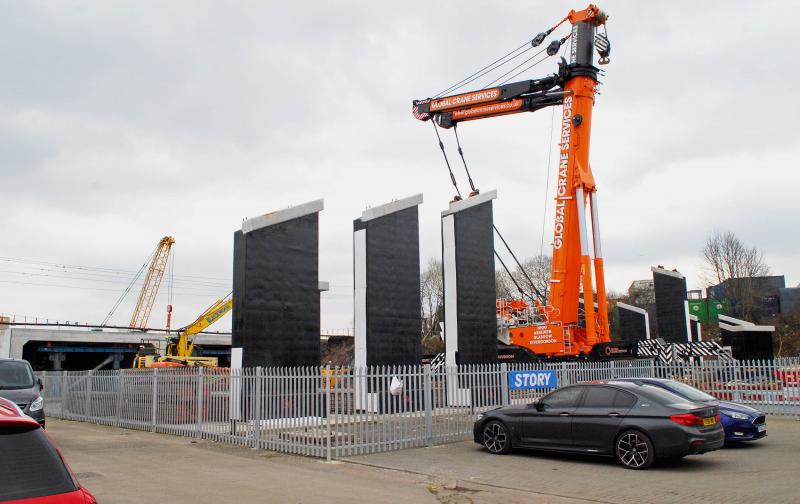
[391, 207]
[279, 216]
[734, 321]
[746, 328]
[632, 308]
[667, 272]
[461, 205]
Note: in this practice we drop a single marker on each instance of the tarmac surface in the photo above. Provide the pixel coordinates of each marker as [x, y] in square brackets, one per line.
[122, 466]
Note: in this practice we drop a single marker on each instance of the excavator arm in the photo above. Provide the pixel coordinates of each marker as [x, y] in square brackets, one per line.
[215, 312]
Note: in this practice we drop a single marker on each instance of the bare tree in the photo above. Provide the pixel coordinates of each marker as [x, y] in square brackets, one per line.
[732, 264]
[504, 286]
[535, 275]
[727, 257]
[432, 297]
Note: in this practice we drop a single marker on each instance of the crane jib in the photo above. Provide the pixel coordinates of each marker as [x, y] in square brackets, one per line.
[472, 98]
[491, 108]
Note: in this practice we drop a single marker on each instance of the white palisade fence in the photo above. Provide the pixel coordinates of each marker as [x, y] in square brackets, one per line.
[338, 412]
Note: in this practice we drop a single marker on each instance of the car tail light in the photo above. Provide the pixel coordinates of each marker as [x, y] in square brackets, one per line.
[688, 419]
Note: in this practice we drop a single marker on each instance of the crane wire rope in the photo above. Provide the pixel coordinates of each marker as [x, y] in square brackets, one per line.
[171, 278]
[547, 179]
[128, 288]
[526, 69]
[485, 70]
[500, 62]
[533, 65]
[508, 248]
[511, 277]
[549, 160]
[494, 65]
[447, 161]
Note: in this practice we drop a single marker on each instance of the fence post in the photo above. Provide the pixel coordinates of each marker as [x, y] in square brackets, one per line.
[326, 382]
[155, 401]
[64, 392]
[737, 395]
[44, 395]
[504, 400]
[428, 391]
[119, 398]
[564, 379]
[257, 414]
[199, 403]
[87, 405]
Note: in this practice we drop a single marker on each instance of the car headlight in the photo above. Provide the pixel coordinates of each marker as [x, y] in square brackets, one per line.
[480, 416]
[37, 404]
[738, 416]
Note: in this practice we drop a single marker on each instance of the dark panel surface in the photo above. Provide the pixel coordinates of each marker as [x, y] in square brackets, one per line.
[239, 260]
[670, 307]
[694, 325]
[632, 326]
[790, 301]
[749, 345]
[277, 319]
[394, 323]
[475, 285]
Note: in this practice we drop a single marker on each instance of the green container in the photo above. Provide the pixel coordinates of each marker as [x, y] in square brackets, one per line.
[708, 310]
[699, 308]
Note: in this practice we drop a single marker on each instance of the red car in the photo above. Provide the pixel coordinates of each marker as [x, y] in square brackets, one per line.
[32, 470]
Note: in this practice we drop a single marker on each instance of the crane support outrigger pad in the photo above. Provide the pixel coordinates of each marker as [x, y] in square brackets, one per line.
[560, 328]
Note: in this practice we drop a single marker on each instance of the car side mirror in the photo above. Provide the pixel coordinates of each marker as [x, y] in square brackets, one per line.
[39, 382]
[539, 406]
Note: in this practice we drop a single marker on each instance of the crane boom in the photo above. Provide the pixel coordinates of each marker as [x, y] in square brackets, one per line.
[575, 273]
[152, 281]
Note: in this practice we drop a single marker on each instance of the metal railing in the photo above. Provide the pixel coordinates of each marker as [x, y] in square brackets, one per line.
[339, 412]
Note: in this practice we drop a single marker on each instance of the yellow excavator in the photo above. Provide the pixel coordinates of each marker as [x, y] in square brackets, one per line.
[180, 350]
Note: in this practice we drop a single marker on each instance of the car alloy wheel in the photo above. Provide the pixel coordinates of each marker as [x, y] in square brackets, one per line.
[634, 450]
[496, 438]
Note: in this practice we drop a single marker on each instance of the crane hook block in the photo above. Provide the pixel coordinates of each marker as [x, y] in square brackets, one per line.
[603, 48]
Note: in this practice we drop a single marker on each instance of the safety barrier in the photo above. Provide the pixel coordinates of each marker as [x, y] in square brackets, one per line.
[339, 412]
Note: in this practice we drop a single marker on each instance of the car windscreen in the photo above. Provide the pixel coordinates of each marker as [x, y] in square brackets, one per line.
[30, 466]
[688, 392]
[15, 374]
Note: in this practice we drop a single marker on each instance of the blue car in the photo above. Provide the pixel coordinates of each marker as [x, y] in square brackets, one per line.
[741, 423]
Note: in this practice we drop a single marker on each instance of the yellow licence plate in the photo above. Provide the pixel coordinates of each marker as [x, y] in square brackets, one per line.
[709, 421]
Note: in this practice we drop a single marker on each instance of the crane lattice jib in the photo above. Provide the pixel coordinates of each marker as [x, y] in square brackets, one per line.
[152, 281]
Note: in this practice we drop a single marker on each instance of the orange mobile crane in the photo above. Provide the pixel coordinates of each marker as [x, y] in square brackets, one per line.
[561, 328]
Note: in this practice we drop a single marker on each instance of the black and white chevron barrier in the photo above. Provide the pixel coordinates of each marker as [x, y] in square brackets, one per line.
[676, 352]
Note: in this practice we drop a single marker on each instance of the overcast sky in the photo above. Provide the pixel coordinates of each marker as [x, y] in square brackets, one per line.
[122, 122]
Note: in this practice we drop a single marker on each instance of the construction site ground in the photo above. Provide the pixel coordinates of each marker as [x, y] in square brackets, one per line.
[122, 466]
